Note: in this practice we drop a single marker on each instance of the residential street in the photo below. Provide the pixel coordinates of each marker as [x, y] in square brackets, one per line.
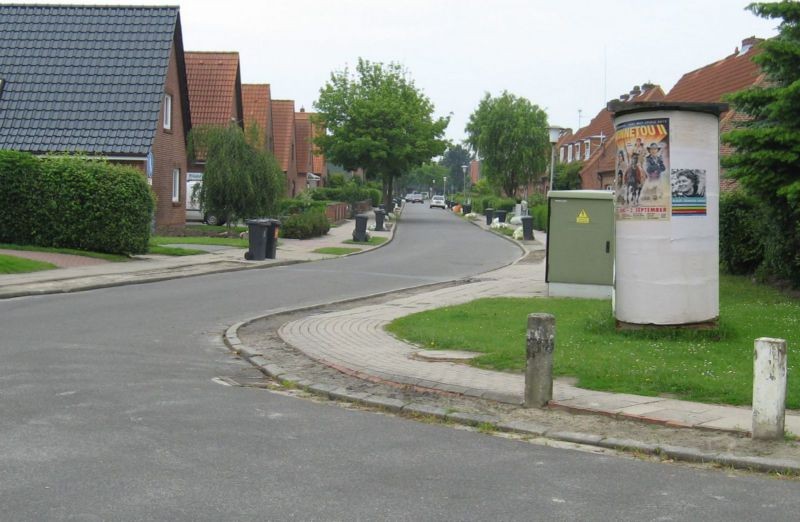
[112, 408]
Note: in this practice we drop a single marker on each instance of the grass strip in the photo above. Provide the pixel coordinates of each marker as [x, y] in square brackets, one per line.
[374, 240]
[713, 366]
[336, 251]
[173, 251]
[199, 240]
[20, 265]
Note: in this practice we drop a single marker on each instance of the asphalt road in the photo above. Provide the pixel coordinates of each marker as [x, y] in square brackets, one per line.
[109, 411]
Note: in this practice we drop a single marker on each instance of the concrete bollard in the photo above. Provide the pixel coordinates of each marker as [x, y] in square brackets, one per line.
[769, 388]
[541, 341]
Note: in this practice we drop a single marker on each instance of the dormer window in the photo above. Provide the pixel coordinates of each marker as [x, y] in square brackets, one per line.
[167, 112]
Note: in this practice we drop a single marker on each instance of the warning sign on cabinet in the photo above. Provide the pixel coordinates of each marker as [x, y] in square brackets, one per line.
[583, 218]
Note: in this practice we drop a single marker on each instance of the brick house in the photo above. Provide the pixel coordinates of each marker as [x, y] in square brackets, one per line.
[593, 145]
[283, 124]
[713, 81]
[104, 81]
[257, 106]
[215, 92]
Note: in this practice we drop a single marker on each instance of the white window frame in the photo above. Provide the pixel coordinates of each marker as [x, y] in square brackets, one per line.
[561, 153]
[167, 112]
[569, 153]
[587, 149]
[176, 185]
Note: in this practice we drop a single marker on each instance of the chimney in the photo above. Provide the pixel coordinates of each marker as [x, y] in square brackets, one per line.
[749, 43]
[302, 109]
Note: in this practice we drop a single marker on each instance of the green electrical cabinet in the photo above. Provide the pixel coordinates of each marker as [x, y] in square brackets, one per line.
[580, 243]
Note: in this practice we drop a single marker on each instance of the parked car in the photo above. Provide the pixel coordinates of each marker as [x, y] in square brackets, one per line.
[438, 201]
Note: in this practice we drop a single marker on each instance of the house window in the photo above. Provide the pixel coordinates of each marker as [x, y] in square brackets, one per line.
[561, 154]
[587, 149]
[176, 185]
[578, 151]
[569, 153]
[167, 112]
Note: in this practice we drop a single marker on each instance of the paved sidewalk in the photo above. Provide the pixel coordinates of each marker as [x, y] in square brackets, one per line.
[355, 340]
[83, 273]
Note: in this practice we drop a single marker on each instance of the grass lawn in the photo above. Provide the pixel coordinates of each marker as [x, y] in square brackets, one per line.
[709, 366]
[336, 251]
[18, 265]
[198, 240]
[72, 251]
[374, 240]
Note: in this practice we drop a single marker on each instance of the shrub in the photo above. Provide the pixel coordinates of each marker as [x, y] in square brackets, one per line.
[506, 204]
[741, 232]
[305, 225]
[539, 215]
[374, 195]
[73, 202]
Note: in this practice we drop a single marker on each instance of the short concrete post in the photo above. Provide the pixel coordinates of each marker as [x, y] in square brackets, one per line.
[769, 388]
[541, 341]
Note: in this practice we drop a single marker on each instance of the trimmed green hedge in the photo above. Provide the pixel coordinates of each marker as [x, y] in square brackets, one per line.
[741, 226]
[305, 225]
[73, 202]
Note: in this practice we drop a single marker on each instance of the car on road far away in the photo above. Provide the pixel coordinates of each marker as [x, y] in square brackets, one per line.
[437, 201]
[414, 197]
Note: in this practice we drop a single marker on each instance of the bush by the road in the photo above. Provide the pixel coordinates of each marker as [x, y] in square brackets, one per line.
[305, 225]
[74, 202]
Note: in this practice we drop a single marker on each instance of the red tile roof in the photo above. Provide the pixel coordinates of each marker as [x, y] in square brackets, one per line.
[256, 105]
[214, 87]
[318, 160]
[712, 82]
[283, 126]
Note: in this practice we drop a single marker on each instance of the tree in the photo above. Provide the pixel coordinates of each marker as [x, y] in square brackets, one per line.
[238, 181]
[767, 146]
[510, 135]
[424, 177]
[455, 157]
[568, 176]
[376, 119]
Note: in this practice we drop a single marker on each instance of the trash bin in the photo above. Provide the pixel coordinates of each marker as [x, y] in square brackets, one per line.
[489, 213]
[527, 228]
[380, 214]
[467, 208]
[360, 232]
[500, 215]
[257, 230]
[273, 230]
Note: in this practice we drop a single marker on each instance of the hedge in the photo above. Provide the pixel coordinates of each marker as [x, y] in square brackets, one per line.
[74, 202]
[305, 225]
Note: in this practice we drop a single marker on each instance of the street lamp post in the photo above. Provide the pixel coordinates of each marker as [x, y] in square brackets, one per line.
[555, 133]
[444, 187]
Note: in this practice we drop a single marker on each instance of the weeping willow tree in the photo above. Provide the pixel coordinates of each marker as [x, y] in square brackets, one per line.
[239, 181]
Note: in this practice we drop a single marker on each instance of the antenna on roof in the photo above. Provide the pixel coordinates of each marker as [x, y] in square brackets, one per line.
[605, 72]
[580, 111]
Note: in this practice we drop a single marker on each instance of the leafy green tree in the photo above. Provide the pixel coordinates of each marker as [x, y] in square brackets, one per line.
[510, 135]
[376, 119]
[428, 175]
[455, 157]
[238, 181]
[768, 145]
[568, 176]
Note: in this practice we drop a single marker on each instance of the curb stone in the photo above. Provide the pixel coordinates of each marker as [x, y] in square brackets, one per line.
[761, 464]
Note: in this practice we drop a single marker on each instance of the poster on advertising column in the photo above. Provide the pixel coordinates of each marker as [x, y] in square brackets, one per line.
[642, 189]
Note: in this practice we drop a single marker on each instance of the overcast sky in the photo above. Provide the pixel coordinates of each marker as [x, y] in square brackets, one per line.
[563, 55]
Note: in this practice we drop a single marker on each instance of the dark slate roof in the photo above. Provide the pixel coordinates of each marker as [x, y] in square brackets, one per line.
[83, 78]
